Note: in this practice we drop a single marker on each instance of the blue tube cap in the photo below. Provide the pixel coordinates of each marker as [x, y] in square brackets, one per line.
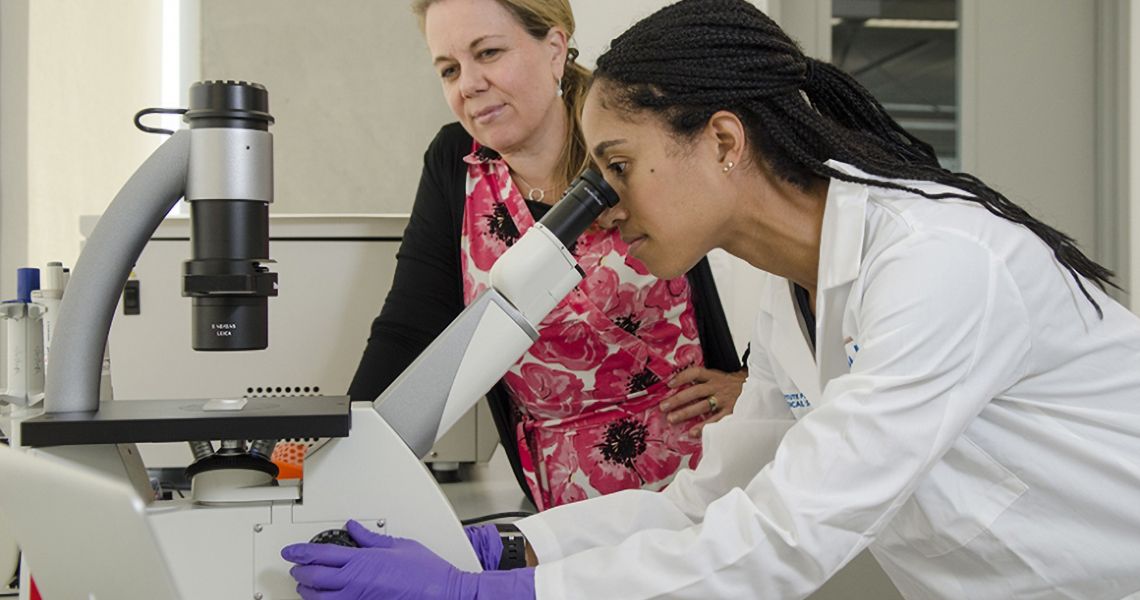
[27, 281]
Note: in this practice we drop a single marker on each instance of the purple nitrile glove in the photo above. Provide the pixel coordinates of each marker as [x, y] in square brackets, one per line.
[392, 568]
[488, 545]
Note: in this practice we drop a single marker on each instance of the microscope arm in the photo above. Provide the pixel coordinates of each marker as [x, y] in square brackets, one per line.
[72, 381]
[482, 343]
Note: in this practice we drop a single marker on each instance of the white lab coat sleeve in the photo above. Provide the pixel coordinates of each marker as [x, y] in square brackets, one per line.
[942, 330]
[734, 449]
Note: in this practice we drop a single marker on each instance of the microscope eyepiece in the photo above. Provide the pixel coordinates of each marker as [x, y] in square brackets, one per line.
[586, 198]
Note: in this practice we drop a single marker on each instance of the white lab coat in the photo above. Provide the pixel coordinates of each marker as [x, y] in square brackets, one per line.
[966, 414]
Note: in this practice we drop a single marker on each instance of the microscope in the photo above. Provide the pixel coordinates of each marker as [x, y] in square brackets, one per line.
[223, 541]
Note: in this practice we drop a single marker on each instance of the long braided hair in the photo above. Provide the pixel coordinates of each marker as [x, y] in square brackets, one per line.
[693, 58]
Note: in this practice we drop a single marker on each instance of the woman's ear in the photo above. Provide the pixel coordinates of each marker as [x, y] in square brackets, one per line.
[558, 41]
[728, 136]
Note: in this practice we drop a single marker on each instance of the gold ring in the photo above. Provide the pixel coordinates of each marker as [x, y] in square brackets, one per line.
[713, 406]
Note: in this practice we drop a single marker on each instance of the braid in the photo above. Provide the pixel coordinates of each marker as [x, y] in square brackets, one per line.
[696, 57]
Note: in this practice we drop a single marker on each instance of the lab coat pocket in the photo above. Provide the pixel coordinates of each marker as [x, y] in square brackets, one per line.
[961, 497]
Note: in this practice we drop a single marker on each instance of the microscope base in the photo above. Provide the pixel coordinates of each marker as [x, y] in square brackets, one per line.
[232, 551]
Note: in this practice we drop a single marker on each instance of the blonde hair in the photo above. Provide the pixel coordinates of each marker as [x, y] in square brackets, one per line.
[537, 17]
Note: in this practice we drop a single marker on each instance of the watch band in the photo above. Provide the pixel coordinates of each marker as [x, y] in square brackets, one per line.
[514, 547]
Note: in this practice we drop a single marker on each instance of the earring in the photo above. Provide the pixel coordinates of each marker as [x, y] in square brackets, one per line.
[729, 166]
[559, 88]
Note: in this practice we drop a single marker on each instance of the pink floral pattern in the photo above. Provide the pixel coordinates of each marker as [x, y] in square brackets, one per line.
[547, 386]
[569, 343]
[588, 390]
[628, 448]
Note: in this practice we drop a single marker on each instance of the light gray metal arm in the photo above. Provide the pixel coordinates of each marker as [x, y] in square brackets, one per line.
[423, 402]
[97, 280]
[482, 343]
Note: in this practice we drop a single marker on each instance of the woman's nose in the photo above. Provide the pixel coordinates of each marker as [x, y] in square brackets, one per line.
[471, 81]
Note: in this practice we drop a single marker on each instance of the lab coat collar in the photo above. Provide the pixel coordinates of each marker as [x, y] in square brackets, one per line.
[844, 221]
[840, 257]
[790, 341]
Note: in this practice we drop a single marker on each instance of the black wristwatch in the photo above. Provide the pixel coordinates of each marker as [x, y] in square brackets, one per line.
[514, 547]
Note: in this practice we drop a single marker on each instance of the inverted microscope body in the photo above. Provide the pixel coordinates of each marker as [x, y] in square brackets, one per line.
[233, 550]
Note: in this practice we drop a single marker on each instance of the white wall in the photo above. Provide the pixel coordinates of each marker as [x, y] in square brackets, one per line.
[90, 67]
[599, 21]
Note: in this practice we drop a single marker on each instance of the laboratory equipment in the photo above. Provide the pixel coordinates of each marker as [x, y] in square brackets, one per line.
[25, 357]
[24, 370]
[229, 186]
[233, 528]
[337, 269]
[114, 555]
[29, 320]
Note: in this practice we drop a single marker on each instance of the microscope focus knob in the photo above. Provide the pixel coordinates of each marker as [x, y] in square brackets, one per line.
[338, 537]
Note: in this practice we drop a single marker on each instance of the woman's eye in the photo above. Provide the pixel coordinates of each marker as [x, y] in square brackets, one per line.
[489, 52]
[448, 72]
[617, 168]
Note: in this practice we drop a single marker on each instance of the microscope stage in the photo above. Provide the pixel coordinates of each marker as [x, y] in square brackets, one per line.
[137, 421]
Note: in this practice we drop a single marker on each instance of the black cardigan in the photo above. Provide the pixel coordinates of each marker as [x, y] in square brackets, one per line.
[427, 290]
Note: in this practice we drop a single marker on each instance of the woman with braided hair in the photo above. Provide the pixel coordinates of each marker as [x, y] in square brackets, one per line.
[935, 374]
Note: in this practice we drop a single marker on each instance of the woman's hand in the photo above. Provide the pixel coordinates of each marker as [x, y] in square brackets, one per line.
[385, 567]
[701, 392]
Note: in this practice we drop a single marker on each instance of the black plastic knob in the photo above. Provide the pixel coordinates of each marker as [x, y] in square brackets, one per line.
[339, 537]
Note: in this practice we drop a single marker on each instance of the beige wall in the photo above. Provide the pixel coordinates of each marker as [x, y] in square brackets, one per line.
[91, 65]
[1027, 131]
[352, 89]
[351, 86]
[13, 142]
